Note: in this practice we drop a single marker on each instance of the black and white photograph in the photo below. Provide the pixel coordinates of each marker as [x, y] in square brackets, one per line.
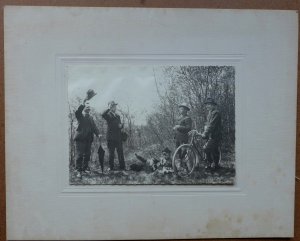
[128, 123]
[151, 124]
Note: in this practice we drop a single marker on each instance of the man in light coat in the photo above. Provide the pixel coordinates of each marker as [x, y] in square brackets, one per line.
[114, 135]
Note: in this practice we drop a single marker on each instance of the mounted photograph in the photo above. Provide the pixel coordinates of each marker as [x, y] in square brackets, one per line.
[119, 120]
[151, 124]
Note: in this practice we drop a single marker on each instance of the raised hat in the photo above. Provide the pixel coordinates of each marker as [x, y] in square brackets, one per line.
[90, 94]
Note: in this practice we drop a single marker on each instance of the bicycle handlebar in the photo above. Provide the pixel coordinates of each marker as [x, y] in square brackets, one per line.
[193, 134]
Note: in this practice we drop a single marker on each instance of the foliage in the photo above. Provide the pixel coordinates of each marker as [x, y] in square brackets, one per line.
[176, 84]
[193, 85]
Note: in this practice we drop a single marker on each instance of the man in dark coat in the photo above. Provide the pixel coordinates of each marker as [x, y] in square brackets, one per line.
[212, 132]
[114, 136]
[184, 125]
[84, 137]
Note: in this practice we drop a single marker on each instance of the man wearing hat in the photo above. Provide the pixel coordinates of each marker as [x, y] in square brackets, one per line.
[84, 137]
[212, 132]
[114, 136]
[184, 125]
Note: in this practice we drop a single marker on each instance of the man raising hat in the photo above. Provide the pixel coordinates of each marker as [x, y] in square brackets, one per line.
[184, 125]
[84, 137]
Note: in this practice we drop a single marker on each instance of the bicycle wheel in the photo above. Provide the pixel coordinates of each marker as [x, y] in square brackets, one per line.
[184, 160]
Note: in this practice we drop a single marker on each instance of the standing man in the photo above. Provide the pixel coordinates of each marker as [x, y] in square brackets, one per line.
[212, 132]
[114, 137]
[84, 137]
[184, 125]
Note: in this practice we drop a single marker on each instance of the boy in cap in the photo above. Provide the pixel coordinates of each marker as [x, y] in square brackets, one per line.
[165, 163]
[183, 127]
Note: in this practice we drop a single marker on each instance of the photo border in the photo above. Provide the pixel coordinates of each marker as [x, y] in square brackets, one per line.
[63, 60]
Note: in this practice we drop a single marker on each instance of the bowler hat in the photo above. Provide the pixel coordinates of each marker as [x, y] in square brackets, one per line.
[90, 94]
[184, 105]
[210, 101]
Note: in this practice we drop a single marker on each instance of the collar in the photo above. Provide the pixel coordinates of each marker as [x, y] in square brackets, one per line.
[113, 113]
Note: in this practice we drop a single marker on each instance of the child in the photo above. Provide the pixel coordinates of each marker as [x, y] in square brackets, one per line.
[163, 165]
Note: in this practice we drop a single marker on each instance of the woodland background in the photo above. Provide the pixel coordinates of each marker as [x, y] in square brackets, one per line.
[190, 84]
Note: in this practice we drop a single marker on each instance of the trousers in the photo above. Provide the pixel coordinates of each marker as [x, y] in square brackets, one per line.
[112, 146]
[181, 153]
[211, 149]
[83, 154]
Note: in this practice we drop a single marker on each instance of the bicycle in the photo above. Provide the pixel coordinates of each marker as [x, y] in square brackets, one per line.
[190, 155]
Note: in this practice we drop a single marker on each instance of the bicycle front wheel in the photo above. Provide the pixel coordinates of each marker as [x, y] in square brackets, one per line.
[184, 160]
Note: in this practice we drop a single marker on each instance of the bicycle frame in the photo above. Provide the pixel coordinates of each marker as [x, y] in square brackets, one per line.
[196, 147]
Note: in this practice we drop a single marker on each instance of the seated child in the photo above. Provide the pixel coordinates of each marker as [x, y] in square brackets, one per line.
[163, 165]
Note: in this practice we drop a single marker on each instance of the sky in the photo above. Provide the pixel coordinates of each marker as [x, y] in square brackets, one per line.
[129, 86]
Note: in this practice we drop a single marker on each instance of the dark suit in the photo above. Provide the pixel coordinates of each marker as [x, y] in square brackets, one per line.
[213, 125]
[213, 134]
[113, 137]
[83, 138]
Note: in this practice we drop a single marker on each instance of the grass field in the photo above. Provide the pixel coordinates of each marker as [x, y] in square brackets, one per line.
[223, 176]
